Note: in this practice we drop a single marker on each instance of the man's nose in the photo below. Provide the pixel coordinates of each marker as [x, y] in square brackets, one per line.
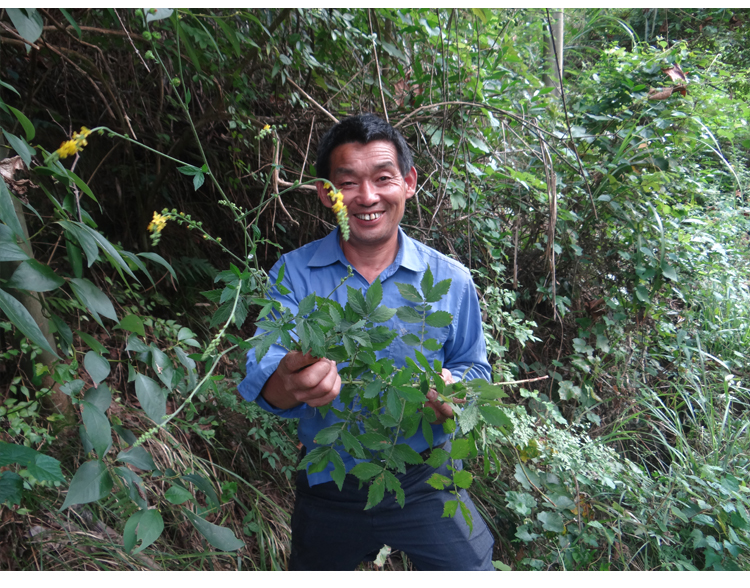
[367, 195]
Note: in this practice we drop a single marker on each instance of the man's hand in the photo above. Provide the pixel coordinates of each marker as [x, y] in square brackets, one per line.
[443, 411]
[302, 378]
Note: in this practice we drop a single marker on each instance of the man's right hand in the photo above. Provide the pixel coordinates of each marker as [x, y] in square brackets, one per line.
[302, 378]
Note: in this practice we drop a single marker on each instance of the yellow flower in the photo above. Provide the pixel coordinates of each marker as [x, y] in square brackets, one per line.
[76, 144]
[67, 149]
[339, 208]
[267, 128]
[157, 224]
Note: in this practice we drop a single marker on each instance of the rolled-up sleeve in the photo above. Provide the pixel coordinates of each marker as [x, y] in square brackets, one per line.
[466, 350]
[258, 372]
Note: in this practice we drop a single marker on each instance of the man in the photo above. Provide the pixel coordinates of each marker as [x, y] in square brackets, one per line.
[369, 162]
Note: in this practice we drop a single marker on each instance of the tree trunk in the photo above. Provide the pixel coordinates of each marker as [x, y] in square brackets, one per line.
[553, 53]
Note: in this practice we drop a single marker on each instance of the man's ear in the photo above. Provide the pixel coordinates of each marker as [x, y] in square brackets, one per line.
[411, 182]
[323, 194]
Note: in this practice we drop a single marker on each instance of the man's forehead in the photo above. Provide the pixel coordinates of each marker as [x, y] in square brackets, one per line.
[378, 154]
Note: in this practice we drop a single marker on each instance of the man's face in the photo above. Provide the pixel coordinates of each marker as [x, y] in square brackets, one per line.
[374, 191]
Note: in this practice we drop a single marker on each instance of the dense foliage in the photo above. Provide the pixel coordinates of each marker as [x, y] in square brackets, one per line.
[605, 223]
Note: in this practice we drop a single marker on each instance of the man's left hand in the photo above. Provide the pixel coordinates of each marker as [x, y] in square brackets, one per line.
[443, 411]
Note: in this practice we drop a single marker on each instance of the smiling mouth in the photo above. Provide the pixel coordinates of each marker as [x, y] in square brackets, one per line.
[369, 216]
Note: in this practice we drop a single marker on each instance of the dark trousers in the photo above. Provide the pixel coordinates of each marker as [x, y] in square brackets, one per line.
[331, 530]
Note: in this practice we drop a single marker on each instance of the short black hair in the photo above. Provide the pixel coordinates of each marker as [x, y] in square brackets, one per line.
[362, 128]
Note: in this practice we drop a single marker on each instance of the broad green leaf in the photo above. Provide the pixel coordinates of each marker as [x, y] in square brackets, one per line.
[410, 293]
[8, 214]
[373, 297]
[46, 468]
[426, 283]
[28, 128]
[366, 470]
[177, 494]
[162, 365]
[495, 416]
[339, 469]
[352, 444]
[356, 301]
[11, 453]
[520, 502]
[407, 454]
[204, 486]
[408, 314]
[72, 388]
[438, 457]
[90, 483]
[127, 436]
[21, 147]
[152, 398]
[468, 418]
[551, 521]
[460, 448]
[138, 457]
[462, 479]
[93, 343]
[220, 537]
[129, 538]
[97, 427]
[376, 492]
[97, 367]
[381, 314]
[156, 258]
[150, 527]
[11, 252]
[439, 318]
[28, 22]
[94, 299]
[439, 481]
[411, 339]
[328, 435]
[23, 321]
[669, 271]
[11, 486]
[101, 397]
[432, 345]
[450, 508]
[134, 484]
[411, 395]
[108, 248]
[135, 344]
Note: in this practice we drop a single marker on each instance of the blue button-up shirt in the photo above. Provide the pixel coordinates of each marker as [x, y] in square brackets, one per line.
[319, 267]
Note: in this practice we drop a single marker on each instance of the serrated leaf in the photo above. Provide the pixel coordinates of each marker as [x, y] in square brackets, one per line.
[432, 345]
[438, 457]
[407, 454]
[408, 314]
[462, 479]
[374, 296]
[450, 508]
[90, 483]
[440, 290]
[34, 276]
[411, 339]
[328, 435]
[220, 537]
[374, 441]
[439, 481]
[460, 448]
[133, 324]
[356, 301]
[439, 318]
[382, 314]
[411, 395]
[392, 484]
[410, 293]
[426, 282]
[338, 474]
[151, 397]
[97, 367]
[352, 444]
[366, 470]
[23, 321]
[468, 418]
[495, 416]
[376, 492]
[177, 494]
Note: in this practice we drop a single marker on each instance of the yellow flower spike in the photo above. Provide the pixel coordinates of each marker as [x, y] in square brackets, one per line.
[157, 223]
[339, 208]
[267, 128]
[76, 144]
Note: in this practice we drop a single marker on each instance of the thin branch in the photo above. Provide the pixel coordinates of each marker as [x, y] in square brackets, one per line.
[311, 99]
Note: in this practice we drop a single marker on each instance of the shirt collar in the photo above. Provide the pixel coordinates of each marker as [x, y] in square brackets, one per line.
[329, 252]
